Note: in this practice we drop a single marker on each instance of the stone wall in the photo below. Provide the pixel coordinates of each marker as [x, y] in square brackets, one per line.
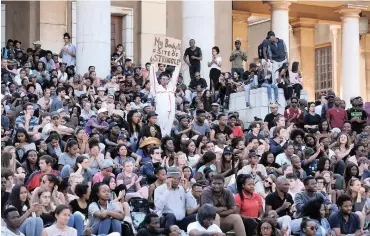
[259, 104]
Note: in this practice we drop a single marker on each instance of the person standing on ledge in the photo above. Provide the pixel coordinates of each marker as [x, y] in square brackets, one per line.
[278, 52]
[195, 56]
[237, 57]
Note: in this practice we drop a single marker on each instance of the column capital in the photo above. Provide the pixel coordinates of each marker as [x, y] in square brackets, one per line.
[334, 29]
[350, 10]
[303, 22]
[279, 5]
[241, 16]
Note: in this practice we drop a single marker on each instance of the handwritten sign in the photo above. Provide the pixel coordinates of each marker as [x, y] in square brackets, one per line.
[166, 50]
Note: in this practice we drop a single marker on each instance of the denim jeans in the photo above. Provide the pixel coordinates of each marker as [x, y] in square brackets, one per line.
[32, 226]
[269, 87]
[107, 225]
[248, 87]
[76, 221]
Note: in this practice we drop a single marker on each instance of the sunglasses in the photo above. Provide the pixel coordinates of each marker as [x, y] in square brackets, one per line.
[312, 228]
[268, 182]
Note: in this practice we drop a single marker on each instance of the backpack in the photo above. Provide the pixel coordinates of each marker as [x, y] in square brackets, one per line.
[139, 208]
[260, 51]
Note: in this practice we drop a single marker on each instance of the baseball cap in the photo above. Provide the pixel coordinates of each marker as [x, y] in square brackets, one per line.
[232, 116]
[37, 43]
[101, 110]
[122, 136]
[173, 172]
[228, 150]
[54, 114]
[113, 124]
[330, 94]
[107, 164]
[215, 104]
[150, 114]
[101, 89]
[253, 154]
[270, 33]
[60, 110]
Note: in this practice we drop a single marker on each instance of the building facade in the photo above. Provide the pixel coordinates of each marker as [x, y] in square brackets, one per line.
[329, 39]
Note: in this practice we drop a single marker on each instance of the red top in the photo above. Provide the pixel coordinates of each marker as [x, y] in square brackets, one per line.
[250, 206]
[336, 116]
[34, 179]
[237, 131]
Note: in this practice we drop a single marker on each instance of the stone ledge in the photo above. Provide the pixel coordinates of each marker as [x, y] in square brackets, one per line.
[259, 104]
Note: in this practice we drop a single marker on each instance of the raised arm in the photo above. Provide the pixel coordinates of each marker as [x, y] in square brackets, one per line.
[175, 76]
[153, 80]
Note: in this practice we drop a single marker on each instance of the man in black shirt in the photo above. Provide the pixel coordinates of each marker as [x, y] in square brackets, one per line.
[195, 56]
[222, 127]
[281, 201]
[356, 115]
[269, 118]
[197, 84]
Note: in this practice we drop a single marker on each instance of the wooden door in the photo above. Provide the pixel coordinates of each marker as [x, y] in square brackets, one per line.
[116, 32]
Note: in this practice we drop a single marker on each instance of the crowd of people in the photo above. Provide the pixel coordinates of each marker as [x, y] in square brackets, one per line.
[141, 153]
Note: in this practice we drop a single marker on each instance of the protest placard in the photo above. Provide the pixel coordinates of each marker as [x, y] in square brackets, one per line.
[166, 50]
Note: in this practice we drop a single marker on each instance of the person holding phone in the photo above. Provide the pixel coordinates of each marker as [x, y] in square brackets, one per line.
[173, 201]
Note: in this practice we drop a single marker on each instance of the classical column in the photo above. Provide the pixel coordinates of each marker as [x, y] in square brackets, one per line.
[3, 25]
[198, 23]
[334, 61]
[304, 32]
[350, 50]
[240, 30]
[127, 34]
[93, 36]
[153, 22]
[280, 20]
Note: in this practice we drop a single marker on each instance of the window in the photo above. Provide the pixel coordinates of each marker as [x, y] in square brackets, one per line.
[323, 71]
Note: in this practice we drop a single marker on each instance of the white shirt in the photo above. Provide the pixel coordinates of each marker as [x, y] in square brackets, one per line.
[175, 201]
[196, 225]
[218, 60]
[48, 128]
[62, 77]
[318, 109]
[282, 159]
[6, 232]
